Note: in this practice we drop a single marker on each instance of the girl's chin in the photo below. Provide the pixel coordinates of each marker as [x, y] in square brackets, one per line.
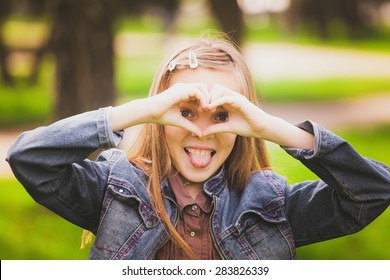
[196, 177]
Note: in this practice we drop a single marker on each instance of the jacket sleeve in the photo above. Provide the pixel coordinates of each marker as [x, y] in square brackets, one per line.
[51, 163]
[351, 193]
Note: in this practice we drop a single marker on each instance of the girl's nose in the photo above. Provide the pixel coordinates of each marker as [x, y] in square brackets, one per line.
[203, 138]
[204, 122]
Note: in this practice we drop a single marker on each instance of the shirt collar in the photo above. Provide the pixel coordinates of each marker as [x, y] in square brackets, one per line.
[184, 199]
[213, 186]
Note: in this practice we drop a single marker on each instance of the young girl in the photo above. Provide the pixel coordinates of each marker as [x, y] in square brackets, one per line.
[197, 181]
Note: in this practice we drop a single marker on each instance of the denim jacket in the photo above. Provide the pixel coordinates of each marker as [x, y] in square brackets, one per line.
[267, 220]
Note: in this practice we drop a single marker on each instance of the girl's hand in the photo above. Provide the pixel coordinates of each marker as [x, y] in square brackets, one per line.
[248, 120]
[165, 107]
[244, 118]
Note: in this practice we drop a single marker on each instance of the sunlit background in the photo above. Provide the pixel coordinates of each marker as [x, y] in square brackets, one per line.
[324, 60]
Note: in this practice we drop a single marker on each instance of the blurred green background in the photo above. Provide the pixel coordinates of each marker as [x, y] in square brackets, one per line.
[333, 67]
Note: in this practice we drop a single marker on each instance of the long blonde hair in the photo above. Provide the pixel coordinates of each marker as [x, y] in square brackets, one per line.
[150, 151]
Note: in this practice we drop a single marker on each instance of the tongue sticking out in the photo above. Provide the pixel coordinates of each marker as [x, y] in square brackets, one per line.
[199, 158]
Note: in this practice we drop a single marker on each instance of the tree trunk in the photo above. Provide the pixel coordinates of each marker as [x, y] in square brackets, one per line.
[5, 11]
[83, 48]
[230, 17]
[5, 74]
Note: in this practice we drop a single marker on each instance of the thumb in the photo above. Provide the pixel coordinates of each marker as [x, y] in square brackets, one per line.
[216, 128]
[189, 126]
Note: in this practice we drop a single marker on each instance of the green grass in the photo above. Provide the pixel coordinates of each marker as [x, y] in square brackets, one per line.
[192, 27]
[26, 105]
[23, 105]
[376, 39]
[371, 241]
[29, 231]
[262, 29]
[322, 89]
[134, 76]
[139, 24]
[30, 105]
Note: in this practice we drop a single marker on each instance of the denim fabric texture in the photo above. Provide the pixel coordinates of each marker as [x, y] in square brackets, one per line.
[267, 220]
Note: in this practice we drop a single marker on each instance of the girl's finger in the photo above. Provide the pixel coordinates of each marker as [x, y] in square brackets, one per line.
[217, 128]
[216, 92]
[204, 90]
[187, 125]
[219, 102]
[195, 92]
[227, 102]
[221, 95]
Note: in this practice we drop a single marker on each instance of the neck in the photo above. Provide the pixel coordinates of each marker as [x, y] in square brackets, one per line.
[193, 188]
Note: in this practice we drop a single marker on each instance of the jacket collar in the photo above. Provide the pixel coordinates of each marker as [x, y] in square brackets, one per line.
[212, 187]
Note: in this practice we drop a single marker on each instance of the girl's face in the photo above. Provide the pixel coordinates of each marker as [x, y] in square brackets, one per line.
[197, 159]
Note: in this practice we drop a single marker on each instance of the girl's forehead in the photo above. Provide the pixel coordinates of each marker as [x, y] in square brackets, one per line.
[207, 76]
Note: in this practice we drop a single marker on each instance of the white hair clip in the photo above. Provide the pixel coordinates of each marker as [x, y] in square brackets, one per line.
[193, 61]
[172, 65]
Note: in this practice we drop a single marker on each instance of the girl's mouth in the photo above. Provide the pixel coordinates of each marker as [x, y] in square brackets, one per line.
[200, 158]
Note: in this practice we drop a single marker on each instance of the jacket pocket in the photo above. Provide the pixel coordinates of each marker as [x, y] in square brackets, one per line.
[124, 221]
[263, 235]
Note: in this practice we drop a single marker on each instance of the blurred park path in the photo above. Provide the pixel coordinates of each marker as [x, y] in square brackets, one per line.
[372, 110]
[274, 60]
[281, 61]
[6, 138]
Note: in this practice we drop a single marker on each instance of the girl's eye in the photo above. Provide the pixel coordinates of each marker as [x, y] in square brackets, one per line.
[185, 113]
[222, 117]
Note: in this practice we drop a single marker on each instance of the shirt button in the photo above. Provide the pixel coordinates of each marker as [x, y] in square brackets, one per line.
[194, 207]
[192, 233]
